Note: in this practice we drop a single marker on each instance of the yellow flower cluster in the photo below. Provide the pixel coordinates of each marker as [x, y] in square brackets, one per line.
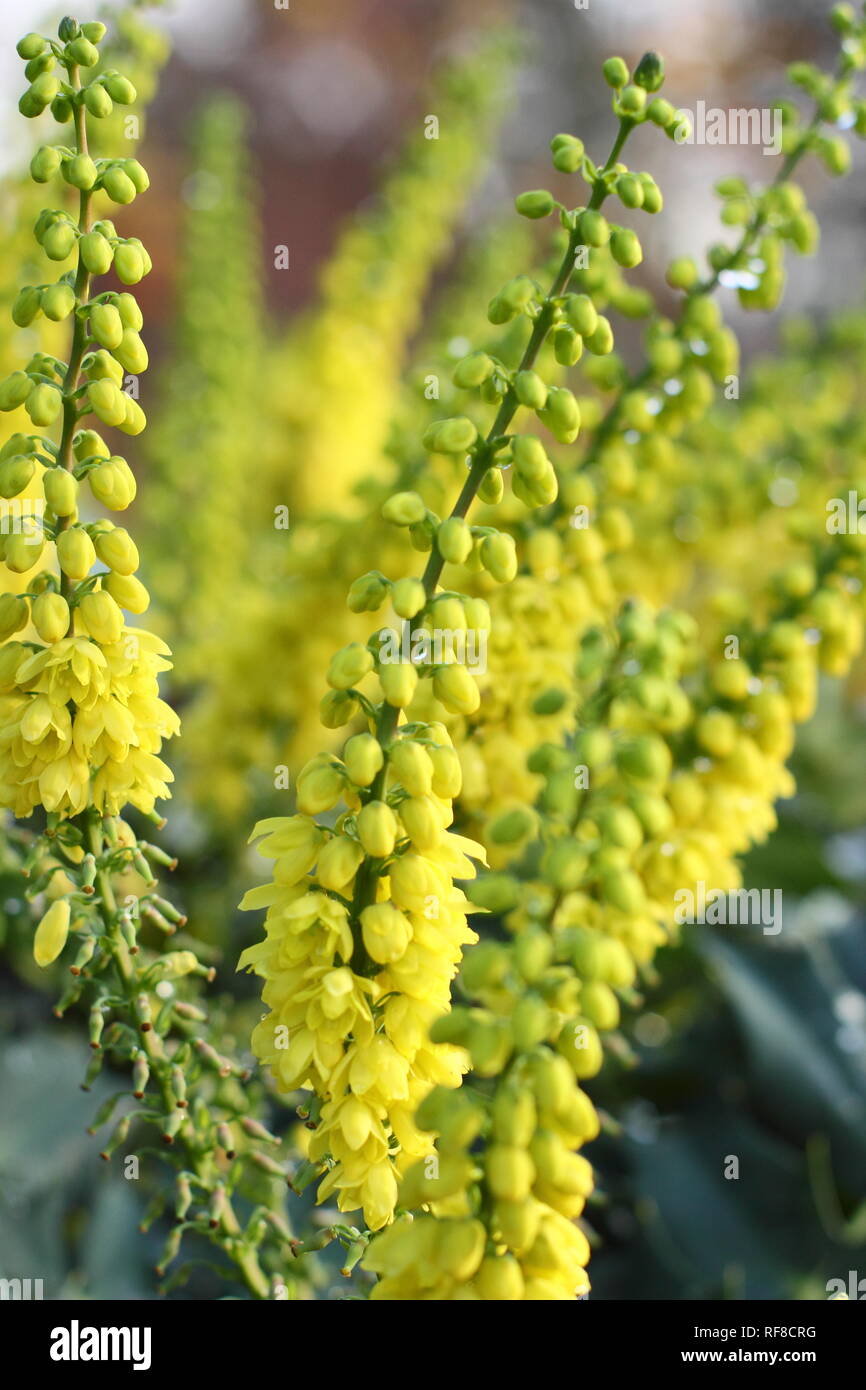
[82, 722]
[351, 1012]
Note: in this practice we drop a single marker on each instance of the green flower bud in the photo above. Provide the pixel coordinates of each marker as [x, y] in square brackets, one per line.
[650, 72]
[137, 173]
[567, 153]
[535, 203]
[653, 201]
[130, 594]
[615, 72]
[83, 52]
[496, 892]
[533, 952]
[101, 365]
[61, 491]
[75, 553]
[113, 483]
[623, 889]
[531, 1022]
[119, 88]
[561, 415]
[88, 444]
[499, 311]
[377, 829]
[97, 101]
[44, 164]
[130, 314]
[629, 190]
[679, 129]
[512, 826]
[130, 351]
[94, 30]
[567, 345]
[58, 301]
[15, 390]
[645, 758]
[399, 681]
[27, 305]
[581, 314]
[422, 533]
[835, 154]
[15, 474]
[363, 758]
[408, 597]
[593, 747]
[490, 1046]
[499, 556]
[386, 932]
[661, 112]
[404, 509]
[128, 263]
[551, 701]
[454, 540]
[625, 247]
[30, 106]
[96, 253]
[580, 1045]
[529, 456]
[593, 229]
[530, 390]
[107, 401]
[519, 292]
[484, 966]
[632, 100]
[843, 18]
[118, 185]
[58, 241]
[472, 370]
[682, 273]
[51, 617]
[337, 708]
[338, 863]
[453, 436]
[456, 689]
[565, 864]
[102, 618]
[491, 487]
[61, 108]
[43, 89]
[349, 665]
[117, 550]
[412, 765]
[447, 772]
[319, 785]
[80, 171]
[43, 404]
[30, 46]
[368, 592]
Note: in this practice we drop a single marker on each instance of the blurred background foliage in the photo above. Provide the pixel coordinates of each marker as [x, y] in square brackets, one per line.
[304, 129]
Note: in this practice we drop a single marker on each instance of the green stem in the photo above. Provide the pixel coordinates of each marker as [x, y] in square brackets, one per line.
[72, 377]
[245, 1260]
